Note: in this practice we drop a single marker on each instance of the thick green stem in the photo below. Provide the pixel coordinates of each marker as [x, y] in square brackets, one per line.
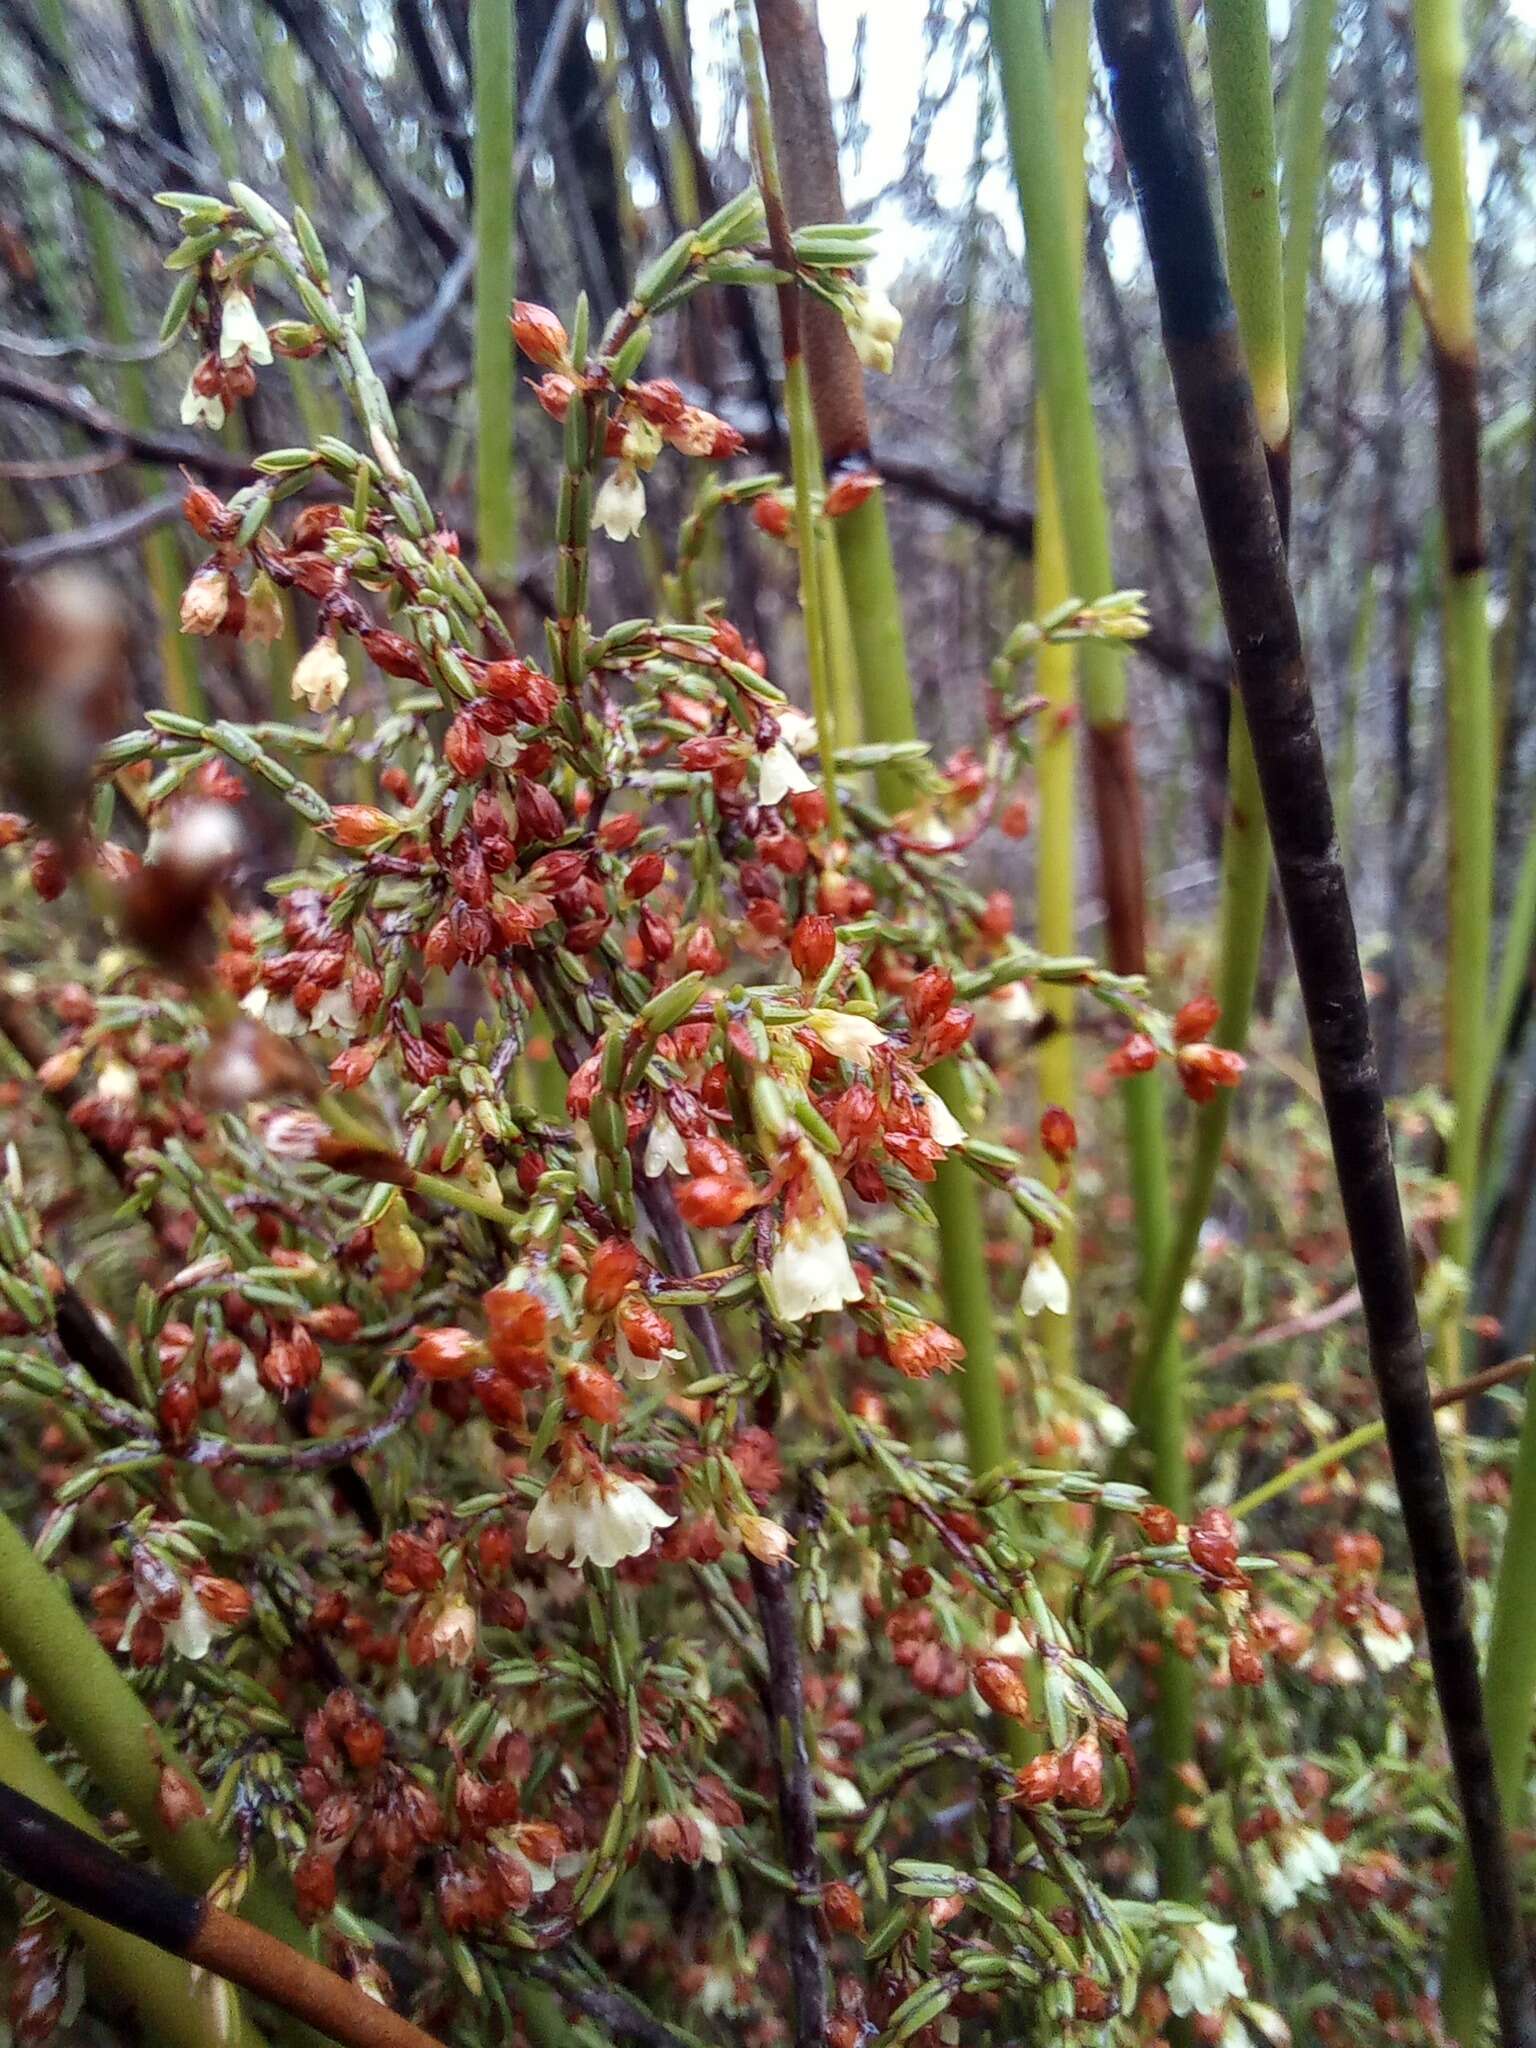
[1448, 302]
[1305, 107]
[1023, 66]
[161, 1988]
[87, 1701]
[805, 463]
[879, 639]
[162, 557]
[875, 630]
[493, 32]
[1056, 678]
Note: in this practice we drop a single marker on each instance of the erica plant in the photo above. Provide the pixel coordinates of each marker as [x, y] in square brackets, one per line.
[532, 1565]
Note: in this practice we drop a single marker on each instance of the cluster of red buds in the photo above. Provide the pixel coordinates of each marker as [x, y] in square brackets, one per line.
[537, 1179]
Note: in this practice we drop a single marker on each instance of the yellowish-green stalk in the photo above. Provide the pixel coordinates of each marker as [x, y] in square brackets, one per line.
[1061, 356]
[1238, 36]
[159, 1986]
[1448, 302]
[878, 642]
[805, 464]
[873, 602]
[842, 657]
[493, 44]
[1447, 297]
[1306, 105]
[1056, 675]
[162, 557]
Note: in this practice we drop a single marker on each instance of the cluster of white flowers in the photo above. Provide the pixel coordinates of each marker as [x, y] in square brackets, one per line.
[811, 1273]
[320, 679]
[1206, 1974]
[874, 325]
[1290, 1862]
[596, 1518]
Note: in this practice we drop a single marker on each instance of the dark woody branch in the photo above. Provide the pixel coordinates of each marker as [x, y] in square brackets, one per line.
[71, 1866]
[1160, 133]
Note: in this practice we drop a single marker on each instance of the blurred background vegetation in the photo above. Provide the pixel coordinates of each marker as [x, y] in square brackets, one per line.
[629, 126]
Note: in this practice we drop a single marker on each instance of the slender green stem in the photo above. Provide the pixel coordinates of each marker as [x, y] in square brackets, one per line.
[1448, 302]
[1305, 108]
[158, 1985]
[1019, 49]
[87, 1701]
[1269, 280]
[493, 45]
[103, 241]
[879, 638]
[1326, 1456]
[805, 464]
[842, 657]
[1056, 674]
[1061, 355]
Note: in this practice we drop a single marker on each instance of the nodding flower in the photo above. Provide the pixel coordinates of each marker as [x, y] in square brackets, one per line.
[619, 508]
[1045, 1286]
[811, 1273]
[589, 1515]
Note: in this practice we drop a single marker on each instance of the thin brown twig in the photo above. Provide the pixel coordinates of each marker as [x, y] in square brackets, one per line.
[1307, 1325]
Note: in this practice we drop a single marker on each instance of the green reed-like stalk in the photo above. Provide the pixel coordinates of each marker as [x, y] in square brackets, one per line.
[1306, 105]
[87, 1700]
[1269, 285]
[1023, 67]
[493, 47]
[871, 623]
[159, 1986]
[103, 243]
[1056, 672]
[1448, 302]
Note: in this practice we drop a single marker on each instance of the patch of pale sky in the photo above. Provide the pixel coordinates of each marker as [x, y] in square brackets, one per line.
[893, 57]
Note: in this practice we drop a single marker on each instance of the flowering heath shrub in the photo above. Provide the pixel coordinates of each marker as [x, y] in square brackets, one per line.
[526, 1473]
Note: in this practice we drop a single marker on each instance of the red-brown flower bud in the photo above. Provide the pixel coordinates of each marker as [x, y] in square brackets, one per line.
[645, 874]
[813, 945]
[850, 491]
[842, 1909]
[613, 1269]
[530, 693]
[1001, 1687]
[715, 1201]
[1058, 1134]
[447, 1354]
[771, 515]
[1138, 1055]
[540, 335]
[464, 748]
[930, 996]
[394, 654]
[594, 1394]
[1213, 1544]
[360, 826]
[1196, 1019]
